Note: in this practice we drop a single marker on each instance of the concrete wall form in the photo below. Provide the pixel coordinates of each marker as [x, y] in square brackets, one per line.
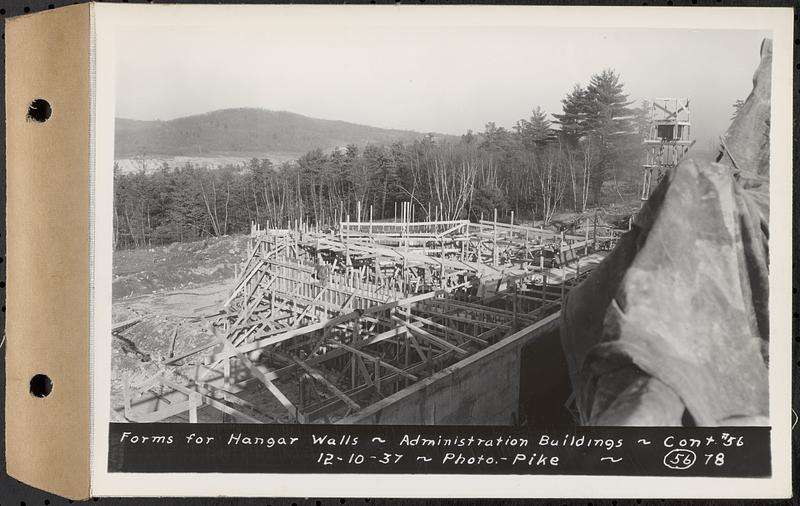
[482, 389]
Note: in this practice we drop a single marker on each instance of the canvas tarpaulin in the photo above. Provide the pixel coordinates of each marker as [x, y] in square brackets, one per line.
[672, 327]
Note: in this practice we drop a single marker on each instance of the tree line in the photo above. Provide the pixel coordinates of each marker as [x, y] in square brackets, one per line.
[587, 155]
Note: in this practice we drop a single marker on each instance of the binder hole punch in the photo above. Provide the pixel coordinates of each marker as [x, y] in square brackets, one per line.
[41, 385]
[39, 111]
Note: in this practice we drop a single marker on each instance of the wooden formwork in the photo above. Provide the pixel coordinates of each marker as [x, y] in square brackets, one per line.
[322, 325]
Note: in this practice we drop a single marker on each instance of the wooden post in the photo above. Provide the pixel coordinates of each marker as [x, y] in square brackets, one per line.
[494, 239]
[226, 371]
[514, 301]
[194, 399]
[358, 211]
[378, 375]
[370, 221]
[347, 245]
[302, 389]
[405, 227]
[404, 274]
[446, 311]
[441, 270]
[586, 237]
[544, 283]
[405, 341]
[353, 361]
[526, 245]
[512, 218]
[272, 304]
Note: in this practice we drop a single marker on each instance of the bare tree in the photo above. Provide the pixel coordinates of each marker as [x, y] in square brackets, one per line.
[450, 178]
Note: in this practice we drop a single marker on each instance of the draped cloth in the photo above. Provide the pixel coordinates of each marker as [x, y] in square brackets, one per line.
[672, 327]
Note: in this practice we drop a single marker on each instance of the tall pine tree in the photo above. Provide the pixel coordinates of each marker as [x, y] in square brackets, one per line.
[610, 120]
[575, 111]
[598, 114]
[536, 131]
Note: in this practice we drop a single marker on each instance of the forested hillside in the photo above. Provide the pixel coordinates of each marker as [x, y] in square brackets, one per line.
[243, 131]
[585, 155]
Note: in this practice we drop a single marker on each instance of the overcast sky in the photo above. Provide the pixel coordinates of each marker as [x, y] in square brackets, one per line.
[445, 80]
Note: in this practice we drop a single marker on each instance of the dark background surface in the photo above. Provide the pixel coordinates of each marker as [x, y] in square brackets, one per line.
[15, 493]
[358, 450]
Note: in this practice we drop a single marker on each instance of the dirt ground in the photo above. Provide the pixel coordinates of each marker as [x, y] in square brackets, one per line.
[167, 287]
[179, 265]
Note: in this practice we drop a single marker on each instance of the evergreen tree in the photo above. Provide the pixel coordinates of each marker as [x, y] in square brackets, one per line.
[496, 139]
[486, 199]
[534, 132]
[600, 112]
[610, 120]
[469, 138]
[573, 120]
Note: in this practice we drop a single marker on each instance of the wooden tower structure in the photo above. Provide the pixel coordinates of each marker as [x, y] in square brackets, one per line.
[667, 139]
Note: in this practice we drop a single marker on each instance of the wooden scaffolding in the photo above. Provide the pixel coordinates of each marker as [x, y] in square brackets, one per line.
[320, 325]
[667, 139]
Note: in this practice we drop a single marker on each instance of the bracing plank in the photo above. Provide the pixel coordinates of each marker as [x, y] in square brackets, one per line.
[314, 373]
[369, 357]
[273, 389]
[418, 332]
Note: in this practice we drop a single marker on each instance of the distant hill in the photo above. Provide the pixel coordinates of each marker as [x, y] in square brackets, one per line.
[243, 133]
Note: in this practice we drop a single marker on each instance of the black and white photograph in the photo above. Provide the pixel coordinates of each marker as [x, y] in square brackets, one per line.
[441, 225]
[401, 251]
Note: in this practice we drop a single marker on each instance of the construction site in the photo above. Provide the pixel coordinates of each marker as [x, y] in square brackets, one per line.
[375, 322]
[388, 322]
[416, 322]
[384, 322]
